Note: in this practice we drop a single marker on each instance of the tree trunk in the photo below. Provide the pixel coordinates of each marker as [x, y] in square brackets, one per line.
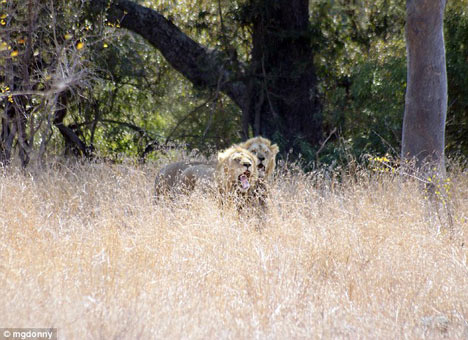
[426, 93]
[283, 103]
[277, 98]
[7, 135]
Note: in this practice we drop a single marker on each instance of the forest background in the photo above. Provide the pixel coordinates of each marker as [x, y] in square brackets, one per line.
[80, 85]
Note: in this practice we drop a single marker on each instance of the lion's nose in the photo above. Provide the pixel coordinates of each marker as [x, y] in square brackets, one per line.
[261, 158]
[246, 164]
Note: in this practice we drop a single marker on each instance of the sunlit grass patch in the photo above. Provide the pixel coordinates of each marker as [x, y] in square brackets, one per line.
[85, 249]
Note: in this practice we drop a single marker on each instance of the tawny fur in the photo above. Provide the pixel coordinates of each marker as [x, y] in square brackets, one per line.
[265, 152]
[232, 163]
[169, 177]
[198, 174]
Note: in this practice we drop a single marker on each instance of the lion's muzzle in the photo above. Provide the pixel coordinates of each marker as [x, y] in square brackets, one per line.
[261, 169]
[244, 180]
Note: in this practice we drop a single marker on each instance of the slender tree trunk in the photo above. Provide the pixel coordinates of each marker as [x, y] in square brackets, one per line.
[7, 135]
[426, 93]
[8, 117]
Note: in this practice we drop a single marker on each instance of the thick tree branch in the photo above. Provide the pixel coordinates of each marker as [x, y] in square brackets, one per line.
[71, 138]
[203, 67]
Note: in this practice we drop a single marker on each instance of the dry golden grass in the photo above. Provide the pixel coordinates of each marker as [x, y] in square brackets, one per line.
[85, 249]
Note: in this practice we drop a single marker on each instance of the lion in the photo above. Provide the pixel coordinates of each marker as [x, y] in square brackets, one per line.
[236, 172]
[170, 176]
[234, 175]
[265, 153]
[201, 175]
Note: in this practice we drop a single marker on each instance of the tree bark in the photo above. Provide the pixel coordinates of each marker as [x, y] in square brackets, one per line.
[284, 104]
[423, 137]
[276, 92]
[7, 134]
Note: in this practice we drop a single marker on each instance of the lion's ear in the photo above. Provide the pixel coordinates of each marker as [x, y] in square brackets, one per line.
[222, 155]
[274, 149]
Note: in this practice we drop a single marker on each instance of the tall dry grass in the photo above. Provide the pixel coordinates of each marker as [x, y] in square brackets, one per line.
[84, 249]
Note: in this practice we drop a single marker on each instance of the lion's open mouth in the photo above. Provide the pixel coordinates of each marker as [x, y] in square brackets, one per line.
[244, 180]
[261, 170]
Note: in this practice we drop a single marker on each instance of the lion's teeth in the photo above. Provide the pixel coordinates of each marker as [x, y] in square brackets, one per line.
[244, 181]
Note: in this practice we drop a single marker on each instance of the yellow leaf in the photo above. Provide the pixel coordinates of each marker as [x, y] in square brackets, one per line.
[105, 45]
[13, 53]
[67, 36]
[3, 16]
[79, 46]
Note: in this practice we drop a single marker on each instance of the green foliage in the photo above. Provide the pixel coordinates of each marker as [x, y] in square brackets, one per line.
[127, 97]
[140, 89]
[42, 55]
[456, 42]
[376, 100]
[361, 64]
[362, 69]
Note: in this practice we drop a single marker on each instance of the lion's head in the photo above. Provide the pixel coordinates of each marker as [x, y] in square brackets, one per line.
[236, 170]
[265, 153]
